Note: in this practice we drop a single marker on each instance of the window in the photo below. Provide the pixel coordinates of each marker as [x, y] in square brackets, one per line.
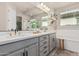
[78, 21]
[35, 23]
[45, 23]
[70, 19]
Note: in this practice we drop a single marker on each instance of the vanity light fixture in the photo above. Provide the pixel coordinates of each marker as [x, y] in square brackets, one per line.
[41, 4]
[43, 7]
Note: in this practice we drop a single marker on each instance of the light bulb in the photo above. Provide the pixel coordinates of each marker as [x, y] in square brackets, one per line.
[42, 4]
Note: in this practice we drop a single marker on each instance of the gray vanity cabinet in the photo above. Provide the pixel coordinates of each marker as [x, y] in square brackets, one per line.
[41, 45]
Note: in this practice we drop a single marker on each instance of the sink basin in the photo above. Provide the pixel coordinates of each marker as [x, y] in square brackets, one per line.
[37, 32]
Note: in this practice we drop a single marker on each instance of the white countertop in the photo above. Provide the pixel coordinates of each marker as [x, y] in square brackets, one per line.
[9, 39]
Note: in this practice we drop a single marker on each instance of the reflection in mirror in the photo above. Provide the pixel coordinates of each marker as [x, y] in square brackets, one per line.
[18, 23]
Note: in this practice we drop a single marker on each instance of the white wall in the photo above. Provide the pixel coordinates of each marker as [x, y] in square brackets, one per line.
[11, 17]
[70, 33]
[3, 17]
[7, 17]
[71, 45]
[71, 36]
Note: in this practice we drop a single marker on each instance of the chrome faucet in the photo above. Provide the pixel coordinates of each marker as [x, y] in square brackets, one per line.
[13, 32]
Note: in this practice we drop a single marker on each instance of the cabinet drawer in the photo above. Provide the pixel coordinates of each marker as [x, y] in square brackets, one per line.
[44, 53]
[44, 38]
[31, 41]
[43, 42]
[42, 48]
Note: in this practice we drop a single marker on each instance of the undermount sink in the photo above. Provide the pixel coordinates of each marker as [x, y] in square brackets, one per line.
[37, 32]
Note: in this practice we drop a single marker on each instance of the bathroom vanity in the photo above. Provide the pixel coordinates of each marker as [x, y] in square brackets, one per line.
[33, 45]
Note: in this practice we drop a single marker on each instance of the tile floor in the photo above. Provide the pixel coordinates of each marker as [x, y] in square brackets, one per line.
[58, 52]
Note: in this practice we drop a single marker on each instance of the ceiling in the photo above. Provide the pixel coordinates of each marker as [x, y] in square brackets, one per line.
[57, 5]
[30, 8]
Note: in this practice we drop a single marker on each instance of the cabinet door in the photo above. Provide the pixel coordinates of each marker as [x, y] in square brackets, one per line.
[8, 48]
[32, 50]
[17, 53]
[52, 42]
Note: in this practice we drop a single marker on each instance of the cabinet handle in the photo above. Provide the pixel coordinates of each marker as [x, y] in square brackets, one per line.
[23, 54]
[45, 52]
[53, 39]
[26, 53]
[45, 47]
